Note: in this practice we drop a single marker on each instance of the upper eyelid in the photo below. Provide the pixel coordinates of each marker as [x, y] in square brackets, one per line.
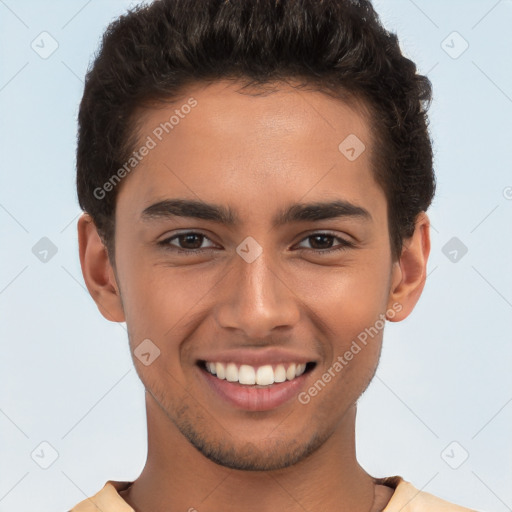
[305, 237]
[174, 237]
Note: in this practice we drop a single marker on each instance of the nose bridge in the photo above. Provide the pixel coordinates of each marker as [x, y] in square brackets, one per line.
[258, 299]
[257, 280]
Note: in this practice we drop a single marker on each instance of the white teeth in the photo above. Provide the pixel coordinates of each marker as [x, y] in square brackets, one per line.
[280, 373]
[290, 373]
[248, 375]
[231, 372]
[221, 372]
[265, 375]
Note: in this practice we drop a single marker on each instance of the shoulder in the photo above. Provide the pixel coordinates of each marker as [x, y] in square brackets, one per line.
[407, 498]
[106, 500]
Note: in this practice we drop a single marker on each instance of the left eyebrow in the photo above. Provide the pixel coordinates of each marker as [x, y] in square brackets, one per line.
[297, 212]
[311, 212]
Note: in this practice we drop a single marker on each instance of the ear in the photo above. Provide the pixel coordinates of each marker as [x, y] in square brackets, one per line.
[98, 273]
[410, 271]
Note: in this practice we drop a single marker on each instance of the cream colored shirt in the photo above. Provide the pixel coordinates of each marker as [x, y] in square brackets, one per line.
[405, 498]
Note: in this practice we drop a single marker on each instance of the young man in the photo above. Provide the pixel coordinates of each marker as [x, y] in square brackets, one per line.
[255, 176]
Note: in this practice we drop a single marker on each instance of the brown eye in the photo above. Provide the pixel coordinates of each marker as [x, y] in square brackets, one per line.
[189, 242]
[322, 243]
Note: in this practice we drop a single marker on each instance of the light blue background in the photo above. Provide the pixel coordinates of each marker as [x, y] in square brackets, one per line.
[445, 373]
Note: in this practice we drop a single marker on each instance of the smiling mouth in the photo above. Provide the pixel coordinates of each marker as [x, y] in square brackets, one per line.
[256, 376]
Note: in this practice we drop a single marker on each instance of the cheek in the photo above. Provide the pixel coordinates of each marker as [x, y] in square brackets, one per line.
[352, 314]
[349, 299]
[155, 310]
[164, 304]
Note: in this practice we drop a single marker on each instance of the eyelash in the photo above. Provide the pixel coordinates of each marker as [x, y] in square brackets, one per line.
[344, 244]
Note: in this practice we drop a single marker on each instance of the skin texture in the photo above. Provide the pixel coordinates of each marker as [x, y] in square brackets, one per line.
[256, 155]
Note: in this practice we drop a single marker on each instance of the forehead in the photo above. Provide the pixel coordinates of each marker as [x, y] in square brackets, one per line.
[219, 143]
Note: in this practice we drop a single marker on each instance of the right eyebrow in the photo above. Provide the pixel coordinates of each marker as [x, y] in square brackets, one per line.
[190, 208]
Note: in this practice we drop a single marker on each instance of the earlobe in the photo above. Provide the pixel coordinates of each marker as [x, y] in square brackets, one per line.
[97, 270]
[410, 272]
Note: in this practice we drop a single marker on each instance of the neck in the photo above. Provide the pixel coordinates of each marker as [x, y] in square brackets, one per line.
[177, 477]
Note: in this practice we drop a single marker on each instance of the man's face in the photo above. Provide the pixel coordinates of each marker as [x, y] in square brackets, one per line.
[255, 292]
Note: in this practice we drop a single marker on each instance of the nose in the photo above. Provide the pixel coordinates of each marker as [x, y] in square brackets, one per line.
[257, 299]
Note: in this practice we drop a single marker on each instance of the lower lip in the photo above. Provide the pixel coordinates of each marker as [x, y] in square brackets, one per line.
[251, 398]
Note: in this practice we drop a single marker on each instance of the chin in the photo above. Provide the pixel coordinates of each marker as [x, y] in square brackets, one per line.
[270, 454]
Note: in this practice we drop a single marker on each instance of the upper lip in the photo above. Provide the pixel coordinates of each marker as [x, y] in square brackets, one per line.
[258, 357]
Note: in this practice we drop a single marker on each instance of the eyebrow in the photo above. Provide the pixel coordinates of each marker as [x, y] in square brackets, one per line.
[297, 212]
